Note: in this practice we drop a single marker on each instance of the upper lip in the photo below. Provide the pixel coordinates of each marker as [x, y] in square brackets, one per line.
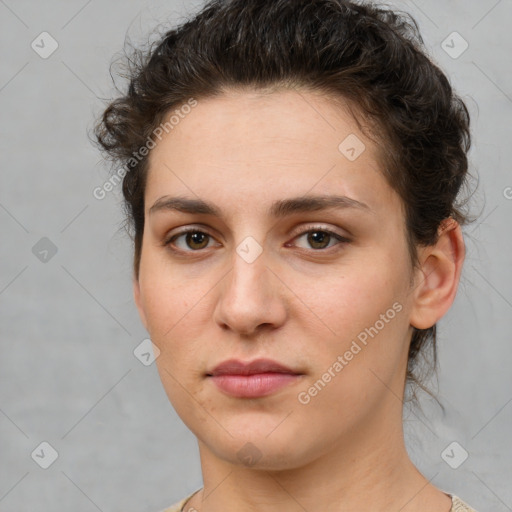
[236, 367]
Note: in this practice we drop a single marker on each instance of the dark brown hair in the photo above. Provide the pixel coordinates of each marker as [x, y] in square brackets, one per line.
[371, 56]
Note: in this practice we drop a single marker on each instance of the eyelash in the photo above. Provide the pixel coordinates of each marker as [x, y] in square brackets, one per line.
[341, 240]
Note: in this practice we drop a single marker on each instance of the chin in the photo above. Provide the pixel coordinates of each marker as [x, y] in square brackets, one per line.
[256, 449]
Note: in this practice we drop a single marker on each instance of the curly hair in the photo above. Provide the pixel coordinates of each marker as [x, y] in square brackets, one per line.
[369, 56]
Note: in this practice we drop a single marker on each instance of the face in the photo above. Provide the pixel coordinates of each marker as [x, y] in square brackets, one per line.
[321, 288]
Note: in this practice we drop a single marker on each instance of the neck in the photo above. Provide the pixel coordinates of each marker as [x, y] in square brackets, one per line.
[368, 468]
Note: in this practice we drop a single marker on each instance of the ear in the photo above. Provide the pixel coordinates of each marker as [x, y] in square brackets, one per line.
[437, 279]
[138, 301]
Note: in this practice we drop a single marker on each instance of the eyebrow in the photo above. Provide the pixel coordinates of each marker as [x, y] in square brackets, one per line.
[278, 209]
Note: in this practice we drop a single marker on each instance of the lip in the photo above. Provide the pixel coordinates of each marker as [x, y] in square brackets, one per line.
[258, 378]
[237, 367]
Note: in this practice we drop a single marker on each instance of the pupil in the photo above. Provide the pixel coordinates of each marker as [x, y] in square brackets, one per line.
[318, 238]
[196, 238]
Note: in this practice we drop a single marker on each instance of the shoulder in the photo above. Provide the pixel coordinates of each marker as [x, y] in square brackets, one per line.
[178, 506]
[459, 506]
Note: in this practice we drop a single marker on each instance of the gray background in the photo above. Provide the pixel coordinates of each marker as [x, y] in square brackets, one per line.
[69, 326]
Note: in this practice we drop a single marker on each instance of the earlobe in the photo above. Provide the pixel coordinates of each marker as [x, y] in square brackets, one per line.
[438, 279]
[138, 301]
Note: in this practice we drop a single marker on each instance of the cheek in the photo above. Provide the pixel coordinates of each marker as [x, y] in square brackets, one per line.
[366, 315]
[170, 295]
[354, 369]
[356, 300]
[176, 319]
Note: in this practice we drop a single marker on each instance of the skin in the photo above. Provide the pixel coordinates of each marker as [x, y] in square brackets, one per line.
[296, 303]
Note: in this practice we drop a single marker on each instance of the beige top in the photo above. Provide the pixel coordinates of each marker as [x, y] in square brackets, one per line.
[457, 505]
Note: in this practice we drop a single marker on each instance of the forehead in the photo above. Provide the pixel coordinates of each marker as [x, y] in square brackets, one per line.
[255, 144]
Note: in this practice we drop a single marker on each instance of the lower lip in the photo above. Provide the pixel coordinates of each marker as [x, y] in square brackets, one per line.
[253, 386]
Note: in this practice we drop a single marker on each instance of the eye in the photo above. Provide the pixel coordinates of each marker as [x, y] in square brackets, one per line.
[194, 239]
[320, 238]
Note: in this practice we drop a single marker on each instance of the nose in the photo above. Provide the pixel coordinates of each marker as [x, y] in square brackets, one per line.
[251, 298]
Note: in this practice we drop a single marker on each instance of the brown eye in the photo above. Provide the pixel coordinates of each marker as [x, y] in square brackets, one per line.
[320, 239]
[194, 240]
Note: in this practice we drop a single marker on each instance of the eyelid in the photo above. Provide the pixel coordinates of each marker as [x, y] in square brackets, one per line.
[318, 227]
[341, 240]
[183, 231]
[303, 230]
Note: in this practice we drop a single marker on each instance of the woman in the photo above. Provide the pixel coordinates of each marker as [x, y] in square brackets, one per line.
[292, 173]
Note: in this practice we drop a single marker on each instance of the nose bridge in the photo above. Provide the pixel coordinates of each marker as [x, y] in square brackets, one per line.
[249, 296]
[249, 280]
[249, 260]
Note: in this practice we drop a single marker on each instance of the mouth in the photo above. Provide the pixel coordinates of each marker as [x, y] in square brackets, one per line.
[255, 379]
